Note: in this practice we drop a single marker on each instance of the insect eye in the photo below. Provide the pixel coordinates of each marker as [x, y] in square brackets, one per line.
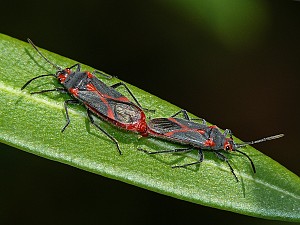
[227, 146]
[62, 77]
[68, 70]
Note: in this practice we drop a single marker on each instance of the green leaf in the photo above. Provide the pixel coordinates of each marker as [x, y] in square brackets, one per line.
[33, 122]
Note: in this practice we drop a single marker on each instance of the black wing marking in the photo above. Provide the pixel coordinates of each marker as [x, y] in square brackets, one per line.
[180, 130]
[190, 124]
[163, 125]
[124, 112]
[190, 137]
[92, 100]
[105, 89]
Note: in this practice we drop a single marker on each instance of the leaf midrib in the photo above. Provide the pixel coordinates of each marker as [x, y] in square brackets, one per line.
[53, 104]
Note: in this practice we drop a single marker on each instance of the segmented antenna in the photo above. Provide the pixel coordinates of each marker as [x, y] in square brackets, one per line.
[258, 141]
[47, 60]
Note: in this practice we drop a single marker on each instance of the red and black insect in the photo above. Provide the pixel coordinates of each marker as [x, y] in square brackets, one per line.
[198, 136]
[98, 98]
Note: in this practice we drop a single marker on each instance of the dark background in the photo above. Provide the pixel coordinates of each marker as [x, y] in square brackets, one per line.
[234, 63]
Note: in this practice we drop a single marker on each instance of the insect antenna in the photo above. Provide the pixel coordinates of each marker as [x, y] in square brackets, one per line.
[28, 82]
[40, 53]
[255, 142]
[260, 140]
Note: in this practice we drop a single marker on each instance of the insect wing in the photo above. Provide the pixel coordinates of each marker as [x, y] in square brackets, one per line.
[107, 91]
[126, 113]
[179, 130]
[109, 108]
[163, 125]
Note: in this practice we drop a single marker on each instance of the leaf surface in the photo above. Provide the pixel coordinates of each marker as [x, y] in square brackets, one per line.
[33, 123]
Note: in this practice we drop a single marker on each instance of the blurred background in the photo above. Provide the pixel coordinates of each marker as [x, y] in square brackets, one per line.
[234, 63]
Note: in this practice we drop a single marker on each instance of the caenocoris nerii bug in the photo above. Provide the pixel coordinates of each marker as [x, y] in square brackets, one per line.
[198, 136]
[98, 98]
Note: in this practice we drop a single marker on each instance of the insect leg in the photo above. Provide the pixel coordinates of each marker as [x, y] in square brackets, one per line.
[224, 158]
[184, 113]
[131, 94]
[103, 74]
[176, 150]
[76, 65]
[62, 90]
[186, 116]
[201, 157]
[70, 101]
[228, 132]
[89, 113]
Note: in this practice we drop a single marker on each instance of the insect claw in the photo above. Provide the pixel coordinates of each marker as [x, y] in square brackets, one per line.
[178, 166]
[143, 150]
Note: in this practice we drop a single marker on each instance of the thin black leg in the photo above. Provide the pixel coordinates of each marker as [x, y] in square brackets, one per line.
[78, 67]
[131, 94]
[89, 113]
[186, 116]
[200, 156]
[70, 101]
[103, 74]
[184, 113]
[176, 150]
[61, 90]
[228, 132]
[224, 158]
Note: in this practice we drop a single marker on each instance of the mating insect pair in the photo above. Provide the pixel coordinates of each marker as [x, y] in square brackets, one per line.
[108, 104]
